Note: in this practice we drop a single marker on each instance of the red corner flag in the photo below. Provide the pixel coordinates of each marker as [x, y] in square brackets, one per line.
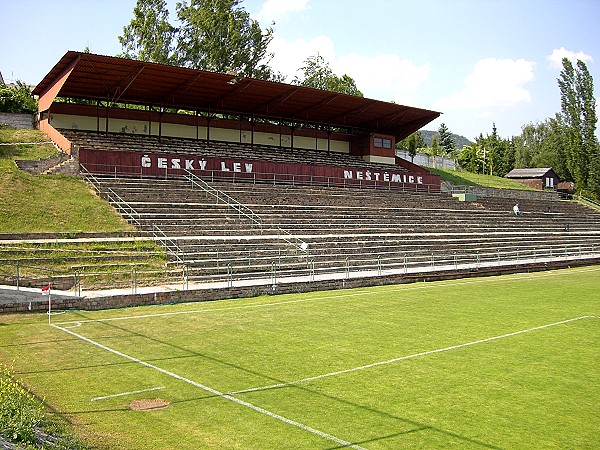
[46, 290]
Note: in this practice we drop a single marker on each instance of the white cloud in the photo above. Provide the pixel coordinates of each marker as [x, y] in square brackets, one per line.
[273, 10]
[559, 53]
[493, 83]
[290, 56]
[383, 77]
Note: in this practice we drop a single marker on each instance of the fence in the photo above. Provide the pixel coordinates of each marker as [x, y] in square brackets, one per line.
[344, 266]
[421, 159]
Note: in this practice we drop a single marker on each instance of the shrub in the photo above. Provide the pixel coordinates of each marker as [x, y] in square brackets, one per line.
[17, 98]
[20, 412]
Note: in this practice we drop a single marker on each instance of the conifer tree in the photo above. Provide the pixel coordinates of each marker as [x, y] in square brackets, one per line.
[446, 139]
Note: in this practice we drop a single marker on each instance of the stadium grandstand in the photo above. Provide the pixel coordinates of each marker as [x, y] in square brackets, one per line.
[248, 182]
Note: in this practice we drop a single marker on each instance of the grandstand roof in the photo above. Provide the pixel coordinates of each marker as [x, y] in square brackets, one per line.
[107, 78]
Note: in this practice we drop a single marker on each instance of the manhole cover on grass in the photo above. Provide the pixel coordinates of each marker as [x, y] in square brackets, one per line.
[148, 404]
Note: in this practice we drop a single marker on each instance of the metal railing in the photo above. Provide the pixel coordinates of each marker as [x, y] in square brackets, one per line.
[244, 211]
[265, 178]
[171, 247]
[588, 202]
[273, 270]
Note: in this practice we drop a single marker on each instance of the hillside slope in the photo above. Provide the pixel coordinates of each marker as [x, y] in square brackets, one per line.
[459, 141]
[46, 203]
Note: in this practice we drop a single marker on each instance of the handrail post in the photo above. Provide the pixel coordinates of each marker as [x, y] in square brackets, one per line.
[78, 283]
[133, 281]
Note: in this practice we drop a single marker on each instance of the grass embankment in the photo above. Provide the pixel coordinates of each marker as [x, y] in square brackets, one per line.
[66, 205]
[47, 203]
[464, 178]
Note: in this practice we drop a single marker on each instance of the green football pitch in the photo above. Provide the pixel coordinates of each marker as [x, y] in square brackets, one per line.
[497, 363]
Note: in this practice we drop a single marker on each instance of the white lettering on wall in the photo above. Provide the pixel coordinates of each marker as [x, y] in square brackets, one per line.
[175, 162]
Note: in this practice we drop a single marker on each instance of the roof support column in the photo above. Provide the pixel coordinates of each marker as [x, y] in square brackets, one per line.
[293, 128]
[106, 121]
[208, 119]
[160, 118]
[252, 123]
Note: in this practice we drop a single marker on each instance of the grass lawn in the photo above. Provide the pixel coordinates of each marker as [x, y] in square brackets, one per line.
[500, 362]
[465, 178]
[46, 203]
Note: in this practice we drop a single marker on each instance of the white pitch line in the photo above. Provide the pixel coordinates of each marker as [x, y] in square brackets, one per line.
[230, 308]
[122, 394]
[403, 358]
[363, 292]
[216, 393]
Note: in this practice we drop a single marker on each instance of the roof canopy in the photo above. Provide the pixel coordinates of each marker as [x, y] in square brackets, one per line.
[106, 78]
[537, 172]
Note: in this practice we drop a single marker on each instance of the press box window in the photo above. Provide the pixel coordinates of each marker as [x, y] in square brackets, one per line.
[382, 143]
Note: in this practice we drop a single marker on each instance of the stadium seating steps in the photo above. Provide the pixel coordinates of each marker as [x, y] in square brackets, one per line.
[298, 230]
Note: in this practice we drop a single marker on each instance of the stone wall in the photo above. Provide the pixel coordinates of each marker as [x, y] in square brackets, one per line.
[41, 165]
[14, 120]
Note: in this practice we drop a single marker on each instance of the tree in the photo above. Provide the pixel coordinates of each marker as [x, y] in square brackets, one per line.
[446, 139]
[411, 144]
[541, 145]
[471, 158]
[318, 74]
[149, 36]
[17, 99]
[577, 121]
[220, 36]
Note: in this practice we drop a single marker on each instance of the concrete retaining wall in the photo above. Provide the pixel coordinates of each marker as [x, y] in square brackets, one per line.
[14, 120]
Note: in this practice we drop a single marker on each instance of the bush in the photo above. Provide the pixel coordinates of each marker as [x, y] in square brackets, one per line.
[20, 412]
[17, 99]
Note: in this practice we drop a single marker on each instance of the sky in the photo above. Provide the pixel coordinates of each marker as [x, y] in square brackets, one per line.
[478, 62]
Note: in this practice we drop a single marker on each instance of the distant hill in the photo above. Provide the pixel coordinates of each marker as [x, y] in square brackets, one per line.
[459, 141]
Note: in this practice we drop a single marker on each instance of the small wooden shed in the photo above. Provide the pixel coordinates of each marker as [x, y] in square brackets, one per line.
[537, 178]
